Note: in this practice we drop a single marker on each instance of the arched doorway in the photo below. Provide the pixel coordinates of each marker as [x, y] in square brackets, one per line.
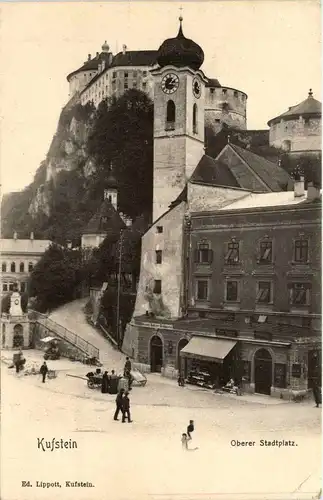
[18, 336]
[156, 354]
[180, 361]
[263, 371]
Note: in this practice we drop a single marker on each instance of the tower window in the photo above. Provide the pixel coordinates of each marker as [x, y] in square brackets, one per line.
[22, 267]
[195, 118]
[170, 116]
[159, 229]
[159, 256]
[13, 267]
[157, 287]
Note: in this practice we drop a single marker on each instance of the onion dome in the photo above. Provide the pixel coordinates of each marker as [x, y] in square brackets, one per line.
[105, 47]
[111, 181]
[180, 52]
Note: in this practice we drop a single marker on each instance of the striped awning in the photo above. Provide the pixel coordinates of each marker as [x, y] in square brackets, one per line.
[208, 348]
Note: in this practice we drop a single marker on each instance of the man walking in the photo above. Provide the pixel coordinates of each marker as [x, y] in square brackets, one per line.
[126, 408]
[44, 371]
[317, 395]
[127, 365]
[119, 404]
[190, 429]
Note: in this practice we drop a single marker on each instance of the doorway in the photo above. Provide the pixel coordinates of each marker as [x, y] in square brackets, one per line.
[181, 362]
[156, 354]
[263, 371]
[314, 375]
[18, 336]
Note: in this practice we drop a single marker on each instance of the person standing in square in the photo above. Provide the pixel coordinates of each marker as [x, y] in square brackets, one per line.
[126, 408]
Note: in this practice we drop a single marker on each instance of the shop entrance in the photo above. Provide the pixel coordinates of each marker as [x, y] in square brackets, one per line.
[156, 354]
[314, 369]
[181, 362]
[263, 371]
[18, 336]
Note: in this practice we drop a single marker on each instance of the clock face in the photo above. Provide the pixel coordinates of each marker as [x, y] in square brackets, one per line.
[16, 302]
[170, 83]
[197, 89]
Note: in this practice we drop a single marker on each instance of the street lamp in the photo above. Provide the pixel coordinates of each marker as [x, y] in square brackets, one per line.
[119, 287]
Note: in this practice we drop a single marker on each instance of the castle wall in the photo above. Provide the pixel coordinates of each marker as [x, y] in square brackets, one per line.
[299, 134]
[225, 105]
[80, 80]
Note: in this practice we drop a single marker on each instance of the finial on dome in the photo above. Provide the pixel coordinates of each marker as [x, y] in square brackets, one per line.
[310, 94]
[180, 31]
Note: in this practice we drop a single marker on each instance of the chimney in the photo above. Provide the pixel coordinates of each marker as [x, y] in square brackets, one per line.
[124, 49]
[97, 55]
[299, 188]
[89, 57]
[32, 235]
[15, 235]
[313, 192]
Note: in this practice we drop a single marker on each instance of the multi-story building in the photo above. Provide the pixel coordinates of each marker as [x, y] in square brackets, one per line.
[18, 258]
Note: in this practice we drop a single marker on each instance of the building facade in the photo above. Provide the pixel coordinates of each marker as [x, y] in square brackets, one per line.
[18, 258]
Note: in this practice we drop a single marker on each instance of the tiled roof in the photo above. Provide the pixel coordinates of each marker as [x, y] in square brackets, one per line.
[135, 58]
[262, 200]
[308, 107]
[212, 82]
[273, 176]
[213, 172]
[15, 246]
[92, 64]
[113, 222]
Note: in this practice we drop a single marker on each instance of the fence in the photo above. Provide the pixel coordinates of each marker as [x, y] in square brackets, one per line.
[65, 334]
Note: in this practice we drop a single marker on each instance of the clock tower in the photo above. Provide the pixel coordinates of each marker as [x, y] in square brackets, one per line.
[179, 87]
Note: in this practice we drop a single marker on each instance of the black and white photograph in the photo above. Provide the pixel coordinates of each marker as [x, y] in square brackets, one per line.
[160, 250]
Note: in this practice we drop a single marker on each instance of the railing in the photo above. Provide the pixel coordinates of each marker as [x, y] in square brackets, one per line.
[65, 334]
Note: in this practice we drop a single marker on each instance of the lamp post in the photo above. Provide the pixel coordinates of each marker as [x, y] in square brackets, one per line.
[119, 287]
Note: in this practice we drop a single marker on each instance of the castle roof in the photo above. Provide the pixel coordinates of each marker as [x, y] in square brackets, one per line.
[213, 82]
[105, 221]
[214, 173]
[91, 64]
[180, 51]
[135, 58]
[308, 107]
[19, 246]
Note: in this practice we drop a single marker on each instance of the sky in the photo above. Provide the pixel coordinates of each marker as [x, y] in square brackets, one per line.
[269, 49]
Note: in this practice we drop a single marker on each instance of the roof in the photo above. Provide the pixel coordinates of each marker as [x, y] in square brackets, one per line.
[213, 172]
[212, 82]
[274, 177]
[13, 246]
[92, 64]
[308, 107]
[262, 200]
[135, 58]
[113, 222]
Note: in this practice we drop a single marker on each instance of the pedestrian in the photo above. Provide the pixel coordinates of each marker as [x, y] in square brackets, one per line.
[190, 429]
[113, 383]
[119, 404]
[126, 408]
[44, 370]
[317, 394]
[181, 381]
[127, 366]
[184, 441]
[105, 383]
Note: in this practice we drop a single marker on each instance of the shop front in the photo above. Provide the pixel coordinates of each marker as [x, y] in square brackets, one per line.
[210, 362]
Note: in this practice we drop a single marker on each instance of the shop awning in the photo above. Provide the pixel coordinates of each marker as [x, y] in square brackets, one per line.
[208, 348]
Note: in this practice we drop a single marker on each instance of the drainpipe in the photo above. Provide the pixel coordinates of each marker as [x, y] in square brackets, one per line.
[187, 261]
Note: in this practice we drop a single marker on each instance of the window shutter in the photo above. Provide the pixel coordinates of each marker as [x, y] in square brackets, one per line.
[210, 256]
[196, 255]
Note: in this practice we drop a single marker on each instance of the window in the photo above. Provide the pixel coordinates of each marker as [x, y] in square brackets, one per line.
[5, 287]
[126, 74]
[11, 286]
[212, 91]
[4, 267]
[158, 256]
[157, 286]
[170, 115]
[114, 74]
[13, 267]
[264, 294]
[159, 229]
[202, 290]
[144, 86]
[300, 294]
[235, 93]
[30, 267]
[301, 251]
[144, 73]
[224, 91]
[203, 254]
[195, 118]
[125, 84]
[134, 84]
[225, 106]
[266, 252]
[135, 74]
[231, 294]
[232, 256]
[22, 267]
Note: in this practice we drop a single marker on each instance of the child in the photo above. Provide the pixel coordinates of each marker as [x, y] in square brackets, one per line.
[184, 441]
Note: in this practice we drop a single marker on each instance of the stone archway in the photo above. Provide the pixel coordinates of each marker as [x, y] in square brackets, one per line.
[181, 344]
[263, 371]
[156, 354]
[18, 336]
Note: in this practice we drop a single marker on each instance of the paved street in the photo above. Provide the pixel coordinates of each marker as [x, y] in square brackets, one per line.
[144, 459]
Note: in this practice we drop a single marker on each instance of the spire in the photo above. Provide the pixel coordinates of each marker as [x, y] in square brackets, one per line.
[180, 31]
[310, 94]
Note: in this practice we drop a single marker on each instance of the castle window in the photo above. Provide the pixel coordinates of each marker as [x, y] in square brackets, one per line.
[22, 267]
[170, 115]
[235, 93]
[202, 289]
[224, 91]
[144, 85]
[13, 267]
[301, 251]
[30, 267]
[159, 256]
[195, 118]
[157, 287]
[159, 229]
[4, 267]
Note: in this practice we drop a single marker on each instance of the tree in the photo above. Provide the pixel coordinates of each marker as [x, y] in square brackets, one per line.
[55, 277]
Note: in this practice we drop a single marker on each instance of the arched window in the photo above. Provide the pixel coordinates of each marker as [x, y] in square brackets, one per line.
[13, 267]
[4, 267]
[22, 267]
[30, 267]
[195, 118]
[170, 115]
